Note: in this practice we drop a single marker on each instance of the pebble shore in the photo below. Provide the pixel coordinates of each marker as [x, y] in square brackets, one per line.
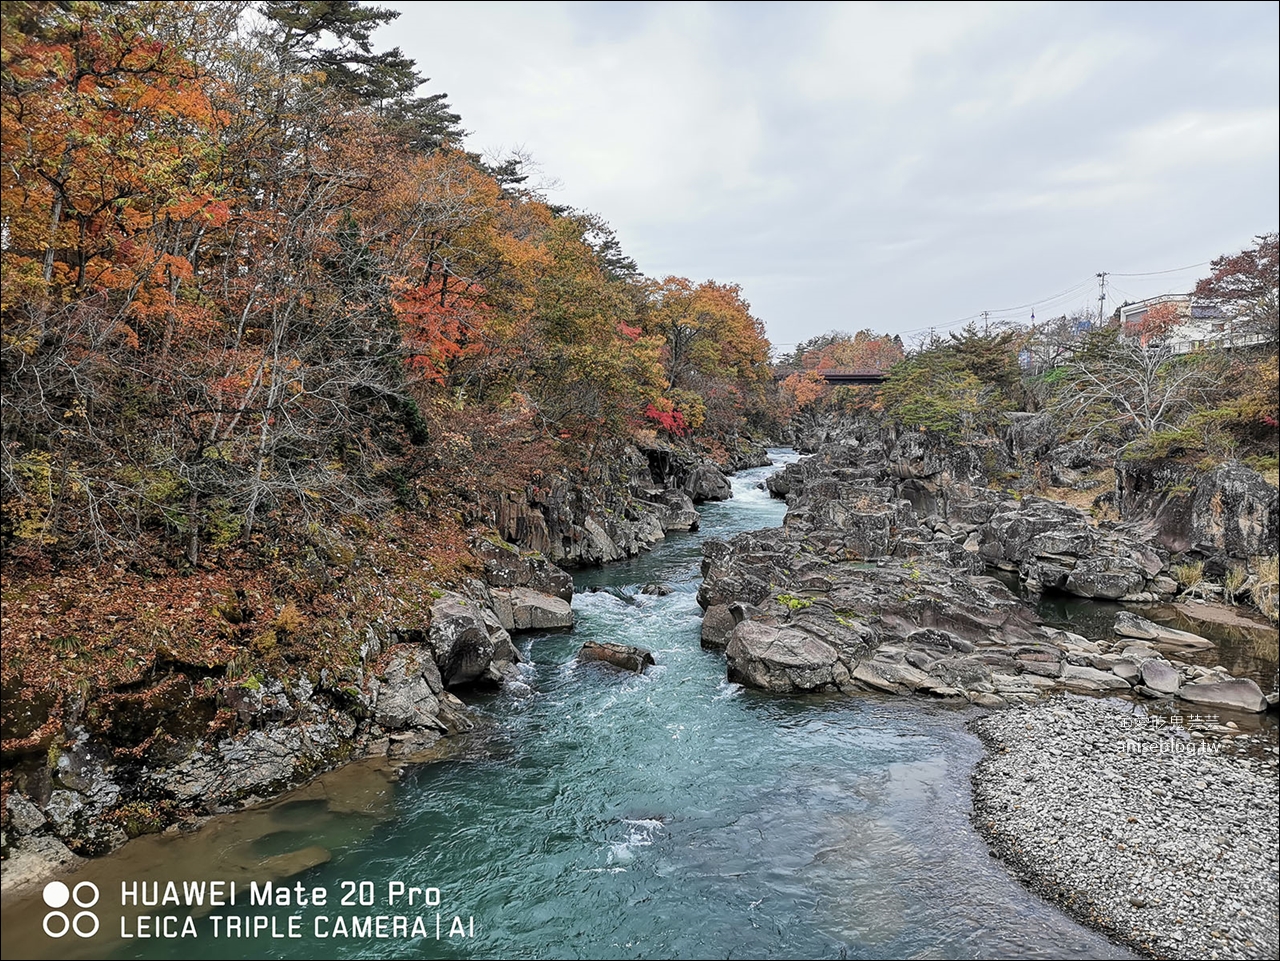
[1162, 832]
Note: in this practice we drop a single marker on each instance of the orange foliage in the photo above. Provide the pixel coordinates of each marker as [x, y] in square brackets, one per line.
[1156, 321]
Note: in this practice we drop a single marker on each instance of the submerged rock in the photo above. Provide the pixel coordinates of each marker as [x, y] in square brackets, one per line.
[622, 656]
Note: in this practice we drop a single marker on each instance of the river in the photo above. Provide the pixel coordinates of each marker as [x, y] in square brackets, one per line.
[669, 815]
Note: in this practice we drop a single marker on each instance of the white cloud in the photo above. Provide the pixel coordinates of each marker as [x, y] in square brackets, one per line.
[922, 162]
[877, 52]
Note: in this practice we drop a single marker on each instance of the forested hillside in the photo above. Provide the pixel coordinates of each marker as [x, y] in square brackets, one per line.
[279, 351]
[253, 278]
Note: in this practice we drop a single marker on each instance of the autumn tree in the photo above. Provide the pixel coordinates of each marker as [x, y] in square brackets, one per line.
[1247, 285]
[803, 384]
[196, 327]
[246, 280]
[109, 197]
[1156, 322]
[838, 350]
[714, 351]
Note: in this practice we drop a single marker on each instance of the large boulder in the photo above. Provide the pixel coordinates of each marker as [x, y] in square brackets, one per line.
[781, 660]
[1109, 578]
[706, 482]
[676, 512]
[406, 693]
[459, 639]
[1160, 676]
[1240, 694]
[522, 609]
[507, 566]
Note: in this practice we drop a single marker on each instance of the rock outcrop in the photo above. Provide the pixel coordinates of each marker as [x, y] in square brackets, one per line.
[878, 582]
[619, 509]
[1229, 513]
[142, 758]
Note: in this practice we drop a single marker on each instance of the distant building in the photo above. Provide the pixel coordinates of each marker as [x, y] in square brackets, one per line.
[1198, 325]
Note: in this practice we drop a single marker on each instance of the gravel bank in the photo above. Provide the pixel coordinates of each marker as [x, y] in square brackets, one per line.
[1164, 839]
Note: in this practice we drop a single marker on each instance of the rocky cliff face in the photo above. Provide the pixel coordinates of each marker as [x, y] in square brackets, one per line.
[1229, 513]
[618, 511]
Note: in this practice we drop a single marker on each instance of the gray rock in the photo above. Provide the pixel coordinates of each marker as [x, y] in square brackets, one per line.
[676, 512]
[623, 656]
[406, 693]
[459, 638]
[255, 765]
[507, 566]
[599, 548]
[1241, 694]
[63, 809]
[1105, 577]
[530, 610]
[717, 625]
[1129, 624]
[784, 661]
[1160, 676]
[707, 483]
[1091, 679]
[36, 860]
[1126, 670]
[24, 817]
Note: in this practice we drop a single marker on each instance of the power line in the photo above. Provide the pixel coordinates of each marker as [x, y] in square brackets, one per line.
[1040, 303]
[1172, 270]
[1001, 310]
[1101, 276]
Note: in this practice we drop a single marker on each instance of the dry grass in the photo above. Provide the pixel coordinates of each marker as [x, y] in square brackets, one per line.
[1188, 575]
[1266, 589]
[1235, 581]
[1084, 499]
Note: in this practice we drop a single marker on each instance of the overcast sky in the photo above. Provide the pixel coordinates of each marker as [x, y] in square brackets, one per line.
[893, 166]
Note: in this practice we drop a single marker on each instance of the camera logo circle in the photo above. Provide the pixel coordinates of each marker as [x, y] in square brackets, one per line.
[57, 922]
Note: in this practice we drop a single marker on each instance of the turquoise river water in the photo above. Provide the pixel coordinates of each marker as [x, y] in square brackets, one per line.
[601, 815]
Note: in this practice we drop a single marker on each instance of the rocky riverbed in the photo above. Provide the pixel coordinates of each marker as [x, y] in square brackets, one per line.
[1159, 830]
[879, 581]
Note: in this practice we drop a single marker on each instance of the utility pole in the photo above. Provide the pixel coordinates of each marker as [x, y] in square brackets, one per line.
[986, 327]
[1102, 294]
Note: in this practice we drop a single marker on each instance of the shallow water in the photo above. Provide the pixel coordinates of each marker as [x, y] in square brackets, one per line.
[665, 815]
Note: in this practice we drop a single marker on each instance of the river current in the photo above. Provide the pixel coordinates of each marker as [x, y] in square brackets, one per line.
[665, 815]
